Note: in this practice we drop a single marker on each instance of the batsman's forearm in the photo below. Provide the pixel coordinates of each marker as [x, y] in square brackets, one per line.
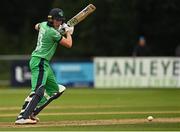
[66, 40]
[69, 39]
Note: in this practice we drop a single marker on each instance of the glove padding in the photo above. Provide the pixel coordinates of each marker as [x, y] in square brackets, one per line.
[66, 28]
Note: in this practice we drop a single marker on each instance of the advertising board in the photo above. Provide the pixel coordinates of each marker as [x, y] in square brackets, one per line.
[141, 72]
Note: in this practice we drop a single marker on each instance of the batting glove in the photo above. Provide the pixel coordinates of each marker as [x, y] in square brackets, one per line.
[70, 30]
[67, 28]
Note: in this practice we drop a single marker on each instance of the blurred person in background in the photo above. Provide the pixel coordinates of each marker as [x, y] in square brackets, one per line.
[44, 87]
[141, 49]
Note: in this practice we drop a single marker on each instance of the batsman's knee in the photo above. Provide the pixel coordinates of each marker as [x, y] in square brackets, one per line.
[59, 93]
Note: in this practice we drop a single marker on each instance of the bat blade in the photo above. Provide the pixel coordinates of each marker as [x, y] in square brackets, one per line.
[81, 15]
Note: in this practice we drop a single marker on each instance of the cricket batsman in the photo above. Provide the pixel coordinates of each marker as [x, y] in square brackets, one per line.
[44, 87]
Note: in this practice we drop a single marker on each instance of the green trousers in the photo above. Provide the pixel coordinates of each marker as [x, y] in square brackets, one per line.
[42, 75]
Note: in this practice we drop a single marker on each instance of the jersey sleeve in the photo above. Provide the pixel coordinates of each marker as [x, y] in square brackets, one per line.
[57, 36]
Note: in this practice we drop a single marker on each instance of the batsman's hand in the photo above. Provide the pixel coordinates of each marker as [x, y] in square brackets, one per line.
[70, 30]
[66, 28]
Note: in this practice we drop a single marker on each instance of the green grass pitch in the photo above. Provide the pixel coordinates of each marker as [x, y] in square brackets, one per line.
[86, 109]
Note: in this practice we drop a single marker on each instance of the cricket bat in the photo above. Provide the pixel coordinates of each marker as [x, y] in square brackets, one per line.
[81, 15]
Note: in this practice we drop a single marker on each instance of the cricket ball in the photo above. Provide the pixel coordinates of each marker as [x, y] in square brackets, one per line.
[150, 118]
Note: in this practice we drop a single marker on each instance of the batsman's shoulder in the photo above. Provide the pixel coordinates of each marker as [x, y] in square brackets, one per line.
[44, 23]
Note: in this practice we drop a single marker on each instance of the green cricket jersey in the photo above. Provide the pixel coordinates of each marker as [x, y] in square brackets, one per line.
[47, 42]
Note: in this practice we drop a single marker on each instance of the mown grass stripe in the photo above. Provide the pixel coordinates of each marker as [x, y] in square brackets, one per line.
[97, 113]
